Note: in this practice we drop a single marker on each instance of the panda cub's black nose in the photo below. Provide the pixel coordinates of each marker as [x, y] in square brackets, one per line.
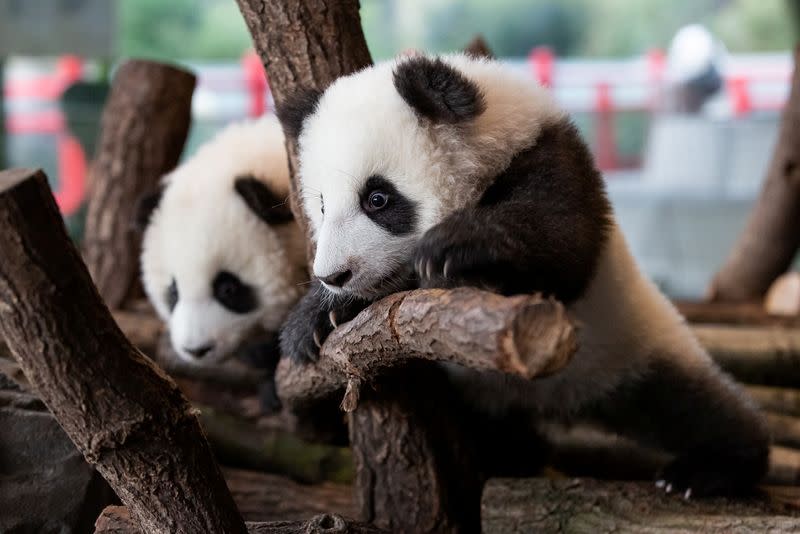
[199, 352]
[337, 279]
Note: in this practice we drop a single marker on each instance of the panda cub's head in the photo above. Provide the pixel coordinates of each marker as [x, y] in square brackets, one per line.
[389, 151]
[222, 256]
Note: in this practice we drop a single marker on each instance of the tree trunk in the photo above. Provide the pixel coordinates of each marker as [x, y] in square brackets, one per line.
[121, 411]
[416, 462]
[771, 237]
[307, 44]
[144, 128]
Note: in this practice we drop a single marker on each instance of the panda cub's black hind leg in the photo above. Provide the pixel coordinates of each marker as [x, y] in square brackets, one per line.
[311, 321]
[693, 410]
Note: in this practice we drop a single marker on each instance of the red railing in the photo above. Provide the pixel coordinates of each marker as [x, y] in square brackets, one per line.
[543, 67]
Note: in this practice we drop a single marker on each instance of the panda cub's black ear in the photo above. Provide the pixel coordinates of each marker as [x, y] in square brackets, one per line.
[145, 206]
[295, 108]
[438, 91]
[260, 199]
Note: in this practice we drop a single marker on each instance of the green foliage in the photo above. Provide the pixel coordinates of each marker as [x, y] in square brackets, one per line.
[213, 29]
[171, 30]
[756, 25]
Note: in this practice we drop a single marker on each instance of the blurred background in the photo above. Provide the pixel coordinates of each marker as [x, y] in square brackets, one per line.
[679, 99]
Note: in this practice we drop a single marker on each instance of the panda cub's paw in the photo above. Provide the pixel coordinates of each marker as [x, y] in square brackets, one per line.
[452, 254]
[306, 329]
[728, 473]
[303, 335]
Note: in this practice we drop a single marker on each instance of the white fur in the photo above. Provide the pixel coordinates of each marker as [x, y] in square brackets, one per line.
[362, 126]
[202, 226]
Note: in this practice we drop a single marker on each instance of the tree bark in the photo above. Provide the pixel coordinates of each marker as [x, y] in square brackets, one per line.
[771, 237]
[587, 506]
[143, 130]
[525, 335]
[305, 44]
[116, 520]
[267, 497]
[121, 411]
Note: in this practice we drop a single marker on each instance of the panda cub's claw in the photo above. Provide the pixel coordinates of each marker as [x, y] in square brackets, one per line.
[721, 474]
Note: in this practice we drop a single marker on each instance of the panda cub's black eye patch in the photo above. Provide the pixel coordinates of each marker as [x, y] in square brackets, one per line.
[171, 295]
[233, 294]
[387, 206]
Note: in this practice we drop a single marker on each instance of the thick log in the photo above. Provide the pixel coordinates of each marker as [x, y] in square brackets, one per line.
[268, 497]
[767, 355]
[144, 127]
[784, 401]
[783, 296]
[770, 239]
[121, 411]
[526, 335]
[116, 520]
[587, 506]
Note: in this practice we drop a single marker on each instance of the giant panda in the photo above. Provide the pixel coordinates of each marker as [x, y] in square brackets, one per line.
[456, 171]
[223, 260]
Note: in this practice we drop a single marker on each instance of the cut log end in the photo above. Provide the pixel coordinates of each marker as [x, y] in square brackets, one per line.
[14, 177]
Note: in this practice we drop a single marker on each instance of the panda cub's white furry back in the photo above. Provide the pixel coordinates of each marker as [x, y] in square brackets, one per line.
[451, 171]
[223, 260]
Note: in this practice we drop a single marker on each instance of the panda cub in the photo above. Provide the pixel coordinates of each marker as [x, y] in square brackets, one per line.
[223, 261]
[455, 171]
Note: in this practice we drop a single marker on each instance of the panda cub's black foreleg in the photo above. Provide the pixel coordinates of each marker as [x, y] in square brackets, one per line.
[264, 353]
[698, 413]
[313, 319]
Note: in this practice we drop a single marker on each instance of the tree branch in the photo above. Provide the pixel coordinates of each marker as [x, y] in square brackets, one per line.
[121, 411]
[770, 239]
[525, 335]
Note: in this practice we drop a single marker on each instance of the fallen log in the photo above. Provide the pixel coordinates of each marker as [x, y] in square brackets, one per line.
[785, 429]
[144, 127]
[769, 241]
[116, 520]
[268, 497]
[121, 411]
[778, 400]
[588, 506]
[767, 355]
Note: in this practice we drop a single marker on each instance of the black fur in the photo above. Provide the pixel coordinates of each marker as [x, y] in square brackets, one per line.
[259, 198]
[233, 294]
[310, 317]
[171, 295]
[699, 414]
[294, 110]
[145, 206]
[399, 216]
[264, 353]
[437, 91]
[541, 226]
